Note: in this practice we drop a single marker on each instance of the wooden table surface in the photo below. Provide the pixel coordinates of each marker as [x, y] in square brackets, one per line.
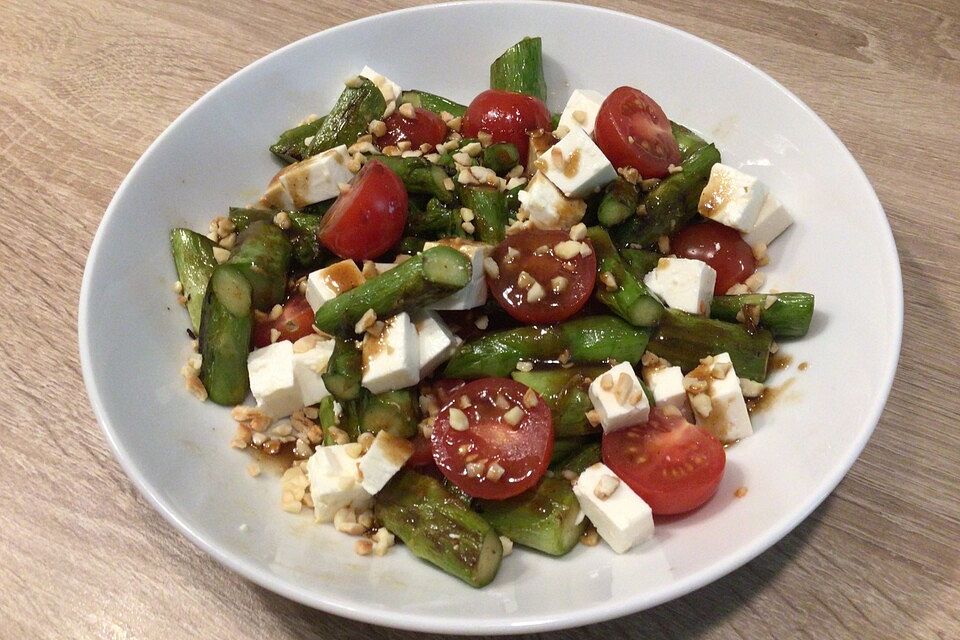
[86, 85]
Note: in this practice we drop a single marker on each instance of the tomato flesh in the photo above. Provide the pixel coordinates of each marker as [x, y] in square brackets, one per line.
[532, 251]
[422, 453]
[369, 218]
[466, 456]
[425, 127]
[673, 465]
[720, 247]
[295, 322]
[507, 116]
[633, 131]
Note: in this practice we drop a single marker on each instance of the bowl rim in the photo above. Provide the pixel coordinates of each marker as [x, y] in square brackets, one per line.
[521, 624]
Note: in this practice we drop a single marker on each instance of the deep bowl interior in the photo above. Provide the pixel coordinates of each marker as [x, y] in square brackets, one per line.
[133, 342]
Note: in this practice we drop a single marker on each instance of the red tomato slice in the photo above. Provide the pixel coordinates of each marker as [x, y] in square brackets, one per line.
[369, 218]
[720, 247]
[491, 458]
[295, 322]
[673, 465]
[532, 251]
[633, 131]
[424, 127]
[422, 452]
[508, 116]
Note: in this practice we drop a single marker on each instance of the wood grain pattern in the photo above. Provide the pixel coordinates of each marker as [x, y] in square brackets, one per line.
[88, 84]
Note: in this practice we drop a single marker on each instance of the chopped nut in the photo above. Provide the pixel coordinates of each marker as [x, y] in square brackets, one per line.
[585, 250]
[458, 420]
[751, 388]
[623, 387]
[282, 220]
[468, 227]
[769, 301]
[530, 397]
[507, 545]
[495, 471]
[455, 123]
[491, 267]
[568, 249]
[558, 284]
[382, 540]
[178, 287]
[759, 251]
[629, 174]
[366, 321]
[353, 82]
[606, 486]
[253, 469]
[513, 416]
[464, 402]
[737, 289]
[338, 435]
[571, 476]
[720, 370]
[578, 231]
[525, 280]
[365, 440]
[274, 335]
[366, 519]
[606, 382]
[670, 410]
[608, 281]
[524, 366]
[407, 111]
[363, 547]
[221, 255]
[701, 404]
[475, 469]
[593, 417]
[482, 323]
[663, 245]
[774, 347]
[674, 169]
[590, 537]
[536, 293]
[755, 281]
[466, 214]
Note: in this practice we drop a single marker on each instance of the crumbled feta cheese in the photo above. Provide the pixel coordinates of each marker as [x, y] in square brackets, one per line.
[581, 111]
[475, 293]
[577, 166]
[666, 385]
[732, 197]
[335, 482]
[389, 88]
[546, 207]
[728, 418]
[683, 284]
[317, 178]
[618, 398]
[327, 283]
[436, 341]
[272, 381]
[386, 456]
[391, 360]
[621, 518]
[772, 220]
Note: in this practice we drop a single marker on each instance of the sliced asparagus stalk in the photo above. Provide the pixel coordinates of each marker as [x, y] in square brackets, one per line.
[787, 316]
[501, 157]
[520, 69]
[262, 254]
[489, 207]
[420, 176]
[193, 257]
[629, 298]
[342, 377]
[225, 336]
[432, 102]
[620, 200]
[356, 108]
[565, 392]
[392, 411]
[293, 145]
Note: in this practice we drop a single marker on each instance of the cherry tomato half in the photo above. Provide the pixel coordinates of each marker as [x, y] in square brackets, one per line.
[295, 322]
[720, 247]
[633, 131]
[369, 218]
[673, 465]
[566, 283]
[422, 453]
[508, 116]
[424, 127]
[479, 449]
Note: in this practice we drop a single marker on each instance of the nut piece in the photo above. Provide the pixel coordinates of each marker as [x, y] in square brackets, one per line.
[458, 420]
[702, 404]
[606, 486]
[513, 416]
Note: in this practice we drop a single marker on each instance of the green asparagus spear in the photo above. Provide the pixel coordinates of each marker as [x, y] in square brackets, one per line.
[564, 448]
[520, 69]
[307, 251]
[410, 245]
[262, 254]
[225, 336]
[594, 339]
[545, 518]
[687, 140]
[328, 418]
[356, 108]
[243, 217]
[620, 200]
[193, 257]
[437, 527]
[419, 175]
[432, 102]
[787, 316]
[489, 207]
[422, 279]
[435, 221]
[342, 376]
[565, 392]
[391, 411]
[630, 299]
[501, 157]
[588, 456]
[639, 261]
[671, 204]
[684, 339]
[292, 145]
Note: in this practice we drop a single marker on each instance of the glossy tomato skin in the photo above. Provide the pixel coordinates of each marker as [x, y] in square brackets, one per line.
[369, 218]
[673, 465]
[522, 450]
[422, 453]
[633, 131]
[425, 127]
[720, 247]
[580, 273]
[508, 116]
[295, 322]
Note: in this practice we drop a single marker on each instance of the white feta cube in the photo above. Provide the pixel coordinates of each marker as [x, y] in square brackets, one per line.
[576, 165]
[335, 482]
[386, 456]
[683, 284]
[389, 88]
[772, 220]
[437, 341]
[308, 366]
[317, 178]
[666, 385]
[327, 283]
[622, 518]
[474, 294]
[732, 198]
[728, 418]
[276, 197]
[546, 207]
[392, 359]
[581, 111]
[618, 398]
[271, 379]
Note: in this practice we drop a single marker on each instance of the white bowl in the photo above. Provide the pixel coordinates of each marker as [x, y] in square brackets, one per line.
[176, 451]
